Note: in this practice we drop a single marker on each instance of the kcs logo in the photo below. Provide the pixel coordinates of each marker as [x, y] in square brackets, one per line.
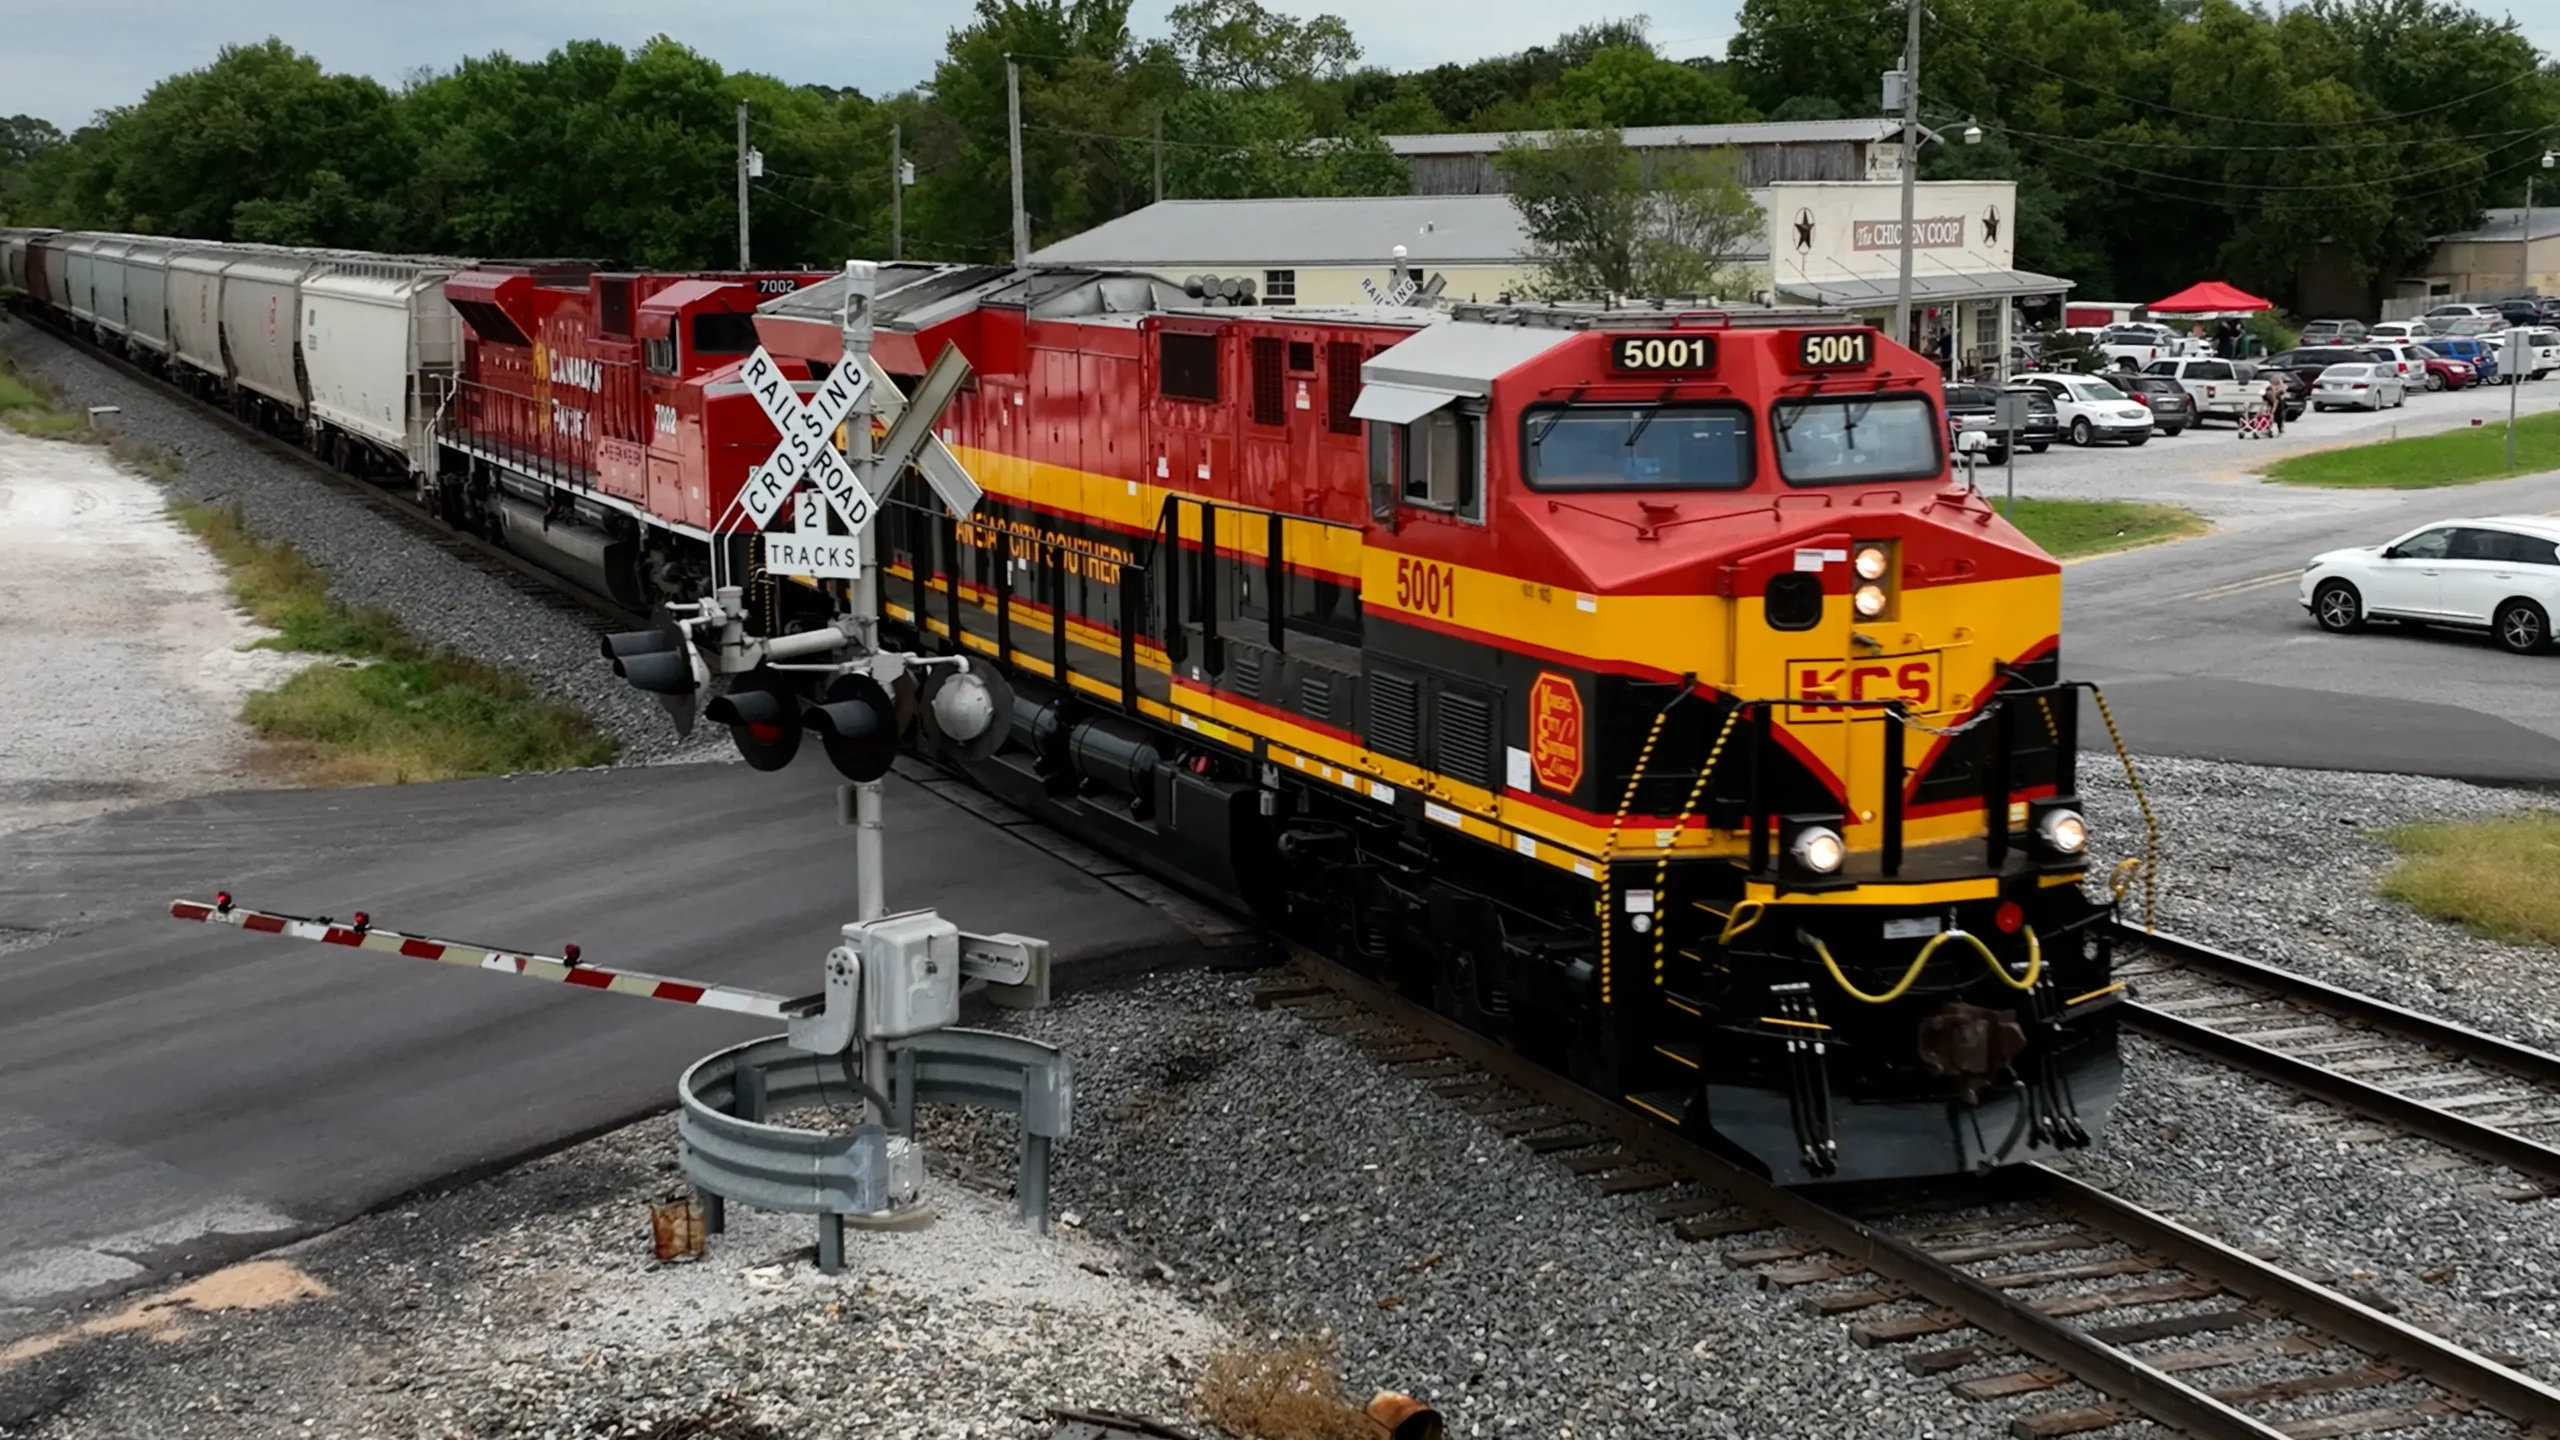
[1911, 679]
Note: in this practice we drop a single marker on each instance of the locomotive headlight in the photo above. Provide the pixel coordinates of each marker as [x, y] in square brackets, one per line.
[1818, 849]
[1872, 562]
[2062, 832]
[1870, 600]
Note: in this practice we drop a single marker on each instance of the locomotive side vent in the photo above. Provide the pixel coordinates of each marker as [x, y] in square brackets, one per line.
[1244, 673]
[1341, 386]
[1462, 738]
[1315, 696]
[1270, 406]
[1395, 715]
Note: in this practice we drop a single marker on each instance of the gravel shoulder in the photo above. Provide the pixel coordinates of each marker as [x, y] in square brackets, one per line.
[370, 559]
[128, 660]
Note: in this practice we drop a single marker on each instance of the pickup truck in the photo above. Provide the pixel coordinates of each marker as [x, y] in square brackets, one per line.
[2131, 347]
[2211, 383]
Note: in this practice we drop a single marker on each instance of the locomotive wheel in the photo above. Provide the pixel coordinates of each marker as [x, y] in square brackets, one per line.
[2338, 607]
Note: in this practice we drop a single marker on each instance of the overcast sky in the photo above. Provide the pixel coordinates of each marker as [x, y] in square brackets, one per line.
[67, 59]
[64, 60]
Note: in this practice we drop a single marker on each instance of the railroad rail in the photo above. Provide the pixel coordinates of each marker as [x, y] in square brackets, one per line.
[2473, 1092]
[532, 581]
[1920, 1273]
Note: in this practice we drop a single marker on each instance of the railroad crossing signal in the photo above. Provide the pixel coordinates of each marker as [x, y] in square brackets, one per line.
[807, 451]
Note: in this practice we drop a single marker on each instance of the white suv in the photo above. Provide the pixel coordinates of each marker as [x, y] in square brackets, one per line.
[2090, 409]
[2500, 574]
[2212, 384]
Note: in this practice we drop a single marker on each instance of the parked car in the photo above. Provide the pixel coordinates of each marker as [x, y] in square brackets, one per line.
[2482, 359]
[2091, 410]
[2501, 574]
[2472, 326]
[2172, 408]
[2446, 373]
[2297, 390]
[2546, 351]
[2399, 331]
[2457, 311]
[2409, 362]
[2305, 364]
[2363, 385]
[2133, 345]
[2211, 384]
[2332, 332]
[2519, 312]
[1977, 407]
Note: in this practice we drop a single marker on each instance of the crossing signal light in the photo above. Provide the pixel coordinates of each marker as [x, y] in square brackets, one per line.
[857, 722]
[763, 717]
[658, 661]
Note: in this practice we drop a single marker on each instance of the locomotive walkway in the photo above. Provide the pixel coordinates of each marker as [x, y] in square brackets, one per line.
[176, 1098]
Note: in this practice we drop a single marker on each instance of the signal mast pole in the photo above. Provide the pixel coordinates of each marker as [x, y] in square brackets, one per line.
[1013, 127]
[1910, 173]
[743, 262]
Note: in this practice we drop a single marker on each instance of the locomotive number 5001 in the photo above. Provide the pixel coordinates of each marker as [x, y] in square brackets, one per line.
[1431, 589]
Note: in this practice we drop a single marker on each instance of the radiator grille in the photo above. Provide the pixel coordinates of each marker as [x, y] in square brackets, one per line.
[1462, 740]
[1395, 715]
[1244, 673]
[1315, 696]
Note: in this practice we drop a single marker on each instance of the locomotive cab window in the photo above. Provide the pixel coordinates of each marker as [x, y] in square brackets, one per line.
[1440, 463]
[1637, 447]
[1856, 439]
[724, 333]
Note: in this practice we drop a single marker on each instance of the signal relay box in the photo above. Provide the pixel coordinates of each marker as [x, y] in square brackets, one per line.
[910, 973]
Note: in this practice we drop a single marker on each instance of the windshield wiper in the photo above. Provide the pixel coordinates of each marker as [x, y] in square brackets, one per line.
[1539, 427]
[1636, 431]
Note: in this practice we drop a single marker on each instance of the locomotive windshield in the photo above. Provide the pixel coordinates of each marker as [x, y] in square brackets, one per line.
[1854, 439]
[1637, 447]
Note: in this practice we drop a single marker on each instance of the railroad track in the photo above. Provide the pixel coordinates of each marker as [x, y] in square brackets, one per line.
[2472, 1092]
[2024, 1285]
[514, 571]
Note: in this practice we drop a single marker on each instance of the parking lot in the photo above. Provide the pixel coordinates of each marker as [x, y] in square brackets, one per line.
[2206, 650]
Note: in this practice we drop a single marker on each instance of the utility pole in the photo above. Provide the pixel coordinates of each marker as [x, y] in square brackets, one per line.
[744, 262]
[1159, 154]
[1013, 127]
[1910, 170]
[897, 198]
[2524, 283]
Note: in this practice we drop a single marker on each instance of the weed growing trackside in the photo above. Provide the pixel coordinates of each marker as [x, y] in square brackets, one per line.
[402, 713]
[2498, 877]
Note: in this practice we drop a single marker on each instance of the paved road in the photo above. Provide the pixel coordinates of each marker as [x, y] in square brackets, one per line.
[175, 1095]
[2205, 651]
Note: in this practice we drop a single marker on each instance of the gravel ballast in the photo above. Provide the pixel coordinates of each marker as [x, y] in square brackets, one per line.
[370, 559]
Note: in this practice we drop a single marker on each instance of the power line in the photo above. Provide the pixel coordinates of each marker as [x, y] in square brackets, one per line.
[2397, 197]
[2508, 83]
[2315, 147]
[2367, 183]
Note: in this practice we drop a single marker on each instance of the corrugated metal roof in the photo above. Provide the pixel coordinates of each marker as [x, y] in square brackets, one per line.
[1346, 230]
[1664, 137]
[1337, 230]
[1461, 357]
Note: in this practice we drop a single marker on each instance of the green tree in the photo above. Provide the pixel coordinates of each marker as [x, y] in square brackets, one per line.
[1597, 228]
[1629, 85]
[1240, 45]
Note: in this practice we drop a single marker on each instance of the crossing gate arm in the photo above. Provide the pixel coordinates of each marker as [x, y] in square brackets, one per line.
[361, 934]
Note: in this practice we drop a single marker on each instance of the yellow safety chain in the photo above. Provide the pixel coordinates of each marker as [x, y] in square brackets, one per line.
[1662, 853]
[1609, 846]
[2150, 822]
[1910, 977]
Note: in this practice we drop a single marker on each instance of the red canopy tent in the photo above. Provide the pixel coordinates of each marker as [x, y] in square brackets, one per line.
[2210, 297]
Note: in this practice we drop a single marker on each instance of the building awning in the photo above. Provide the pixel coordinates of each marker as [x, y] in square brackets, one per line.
[1397, 404]
[1928, 288]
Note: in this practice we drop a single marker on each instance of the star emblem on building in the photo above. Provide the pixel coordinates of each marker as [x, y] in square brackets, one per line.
[1804, 229]
[1991, 225]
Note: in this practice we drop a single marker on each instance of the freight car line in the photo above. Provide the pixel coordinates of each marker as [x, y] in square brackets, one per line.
[2388, 1375]
[596, 612]
[2472, 1092]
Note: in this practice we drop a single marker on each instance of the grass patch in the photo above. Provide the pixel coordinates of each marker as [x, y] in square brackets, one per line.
[2499, 878]
[403, 713]
[34, 408]
[2421, 462]
[1282, 1392]
[2066, 528]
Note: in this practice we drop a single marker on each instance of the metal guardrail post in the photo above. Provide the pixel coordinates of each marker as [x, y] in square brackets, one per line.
[997, 1072]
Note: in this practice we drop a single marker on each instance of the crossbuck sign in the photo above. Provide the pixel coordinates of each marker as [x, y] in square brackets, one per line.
[807, 451]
